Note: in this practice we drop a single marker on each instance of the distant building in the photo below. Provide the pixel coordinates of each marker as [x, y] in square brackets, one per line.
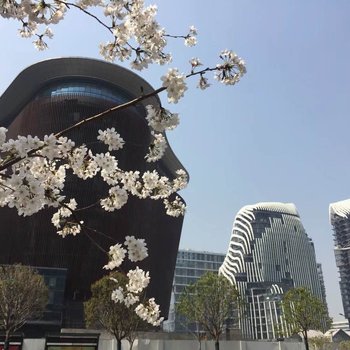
[269, 253]
[337, 335]
[190, 266]
[339, 216]
[323, 287]
[344, 325]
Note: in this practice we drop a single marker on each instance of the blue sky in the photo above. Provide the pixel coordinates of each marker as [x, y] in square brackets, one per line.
[282, 134]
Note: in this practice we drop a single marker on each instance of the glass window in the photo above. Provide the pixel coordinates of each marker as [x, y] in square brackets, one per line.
[87, 89]
[51, 297]
[52, 282]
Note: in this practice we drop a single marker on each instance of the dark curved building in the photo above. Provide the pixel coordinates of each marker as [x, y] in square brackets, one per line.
[48, 97]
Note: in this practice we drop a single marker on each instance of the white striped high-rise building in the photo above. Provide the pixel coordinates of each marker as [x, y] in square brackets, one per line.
[323, 287]
[269, 253]
[339, 215]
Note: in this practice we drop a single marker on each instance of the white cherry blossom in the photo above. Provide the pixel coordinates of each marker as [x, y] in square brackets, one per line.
[195, 62]
[117, 198]
[175, 208]
[191, 38]
[28, 29]
[150, 312]
[70, 228]
[3, 132]
[137, 249]
[157, 148]
[138, 280]
[118, 295]
[111, 138]
[231, 70]
[175, 85]
[61, 220]
[161, 119]
[180, 182]
[203, 83]
[117, 255]
[131, 299]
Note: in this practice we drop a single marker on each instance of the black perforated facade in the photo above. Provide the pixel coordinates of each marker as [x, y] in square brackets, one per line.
[48, 97]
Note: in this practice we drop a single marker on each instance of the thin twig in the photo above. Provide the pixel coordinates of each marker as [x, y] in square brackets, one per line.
[92, 240]
[99, 233]
[87, 13]
[176, 36]
[87, 207]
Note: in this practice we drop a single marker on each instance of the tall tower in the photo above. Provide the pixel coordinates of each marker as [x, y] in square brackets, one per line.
[269, 253]
[339, 216]
[323, 287]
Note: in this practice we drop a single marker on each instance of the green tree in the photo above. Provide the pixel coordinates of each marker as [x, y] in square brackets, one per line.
[344, 345]
[209, 302]
[320, 343]
[101, 311]
[303, 311]
[23, 297]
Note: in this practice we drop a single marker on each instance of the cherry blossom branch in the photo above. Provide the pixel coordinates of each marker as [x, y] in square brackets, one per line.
[201, 72]
[173, 82]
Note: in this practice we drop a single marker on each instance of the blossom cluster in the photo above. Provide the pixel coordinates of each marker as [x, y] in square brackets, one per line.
[32, 177]
[175, 84]
[117, 198]
[136, 33]
[136, 36]
[135, 23]
[138, 280]
[135, 248]
[131, 294]
[111, 138]
[161, 119]
[231, 70]
[150, 312]
[191, 37]
[152, 185]
[117, 255]
[61, 220]
[33, 174]
[157, 148]
[175, 208]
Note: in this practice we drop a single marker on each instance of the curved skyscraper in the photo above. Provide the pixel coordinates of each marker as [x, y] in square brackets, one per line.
[339, 216]
[48, 97]
[269, 253]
